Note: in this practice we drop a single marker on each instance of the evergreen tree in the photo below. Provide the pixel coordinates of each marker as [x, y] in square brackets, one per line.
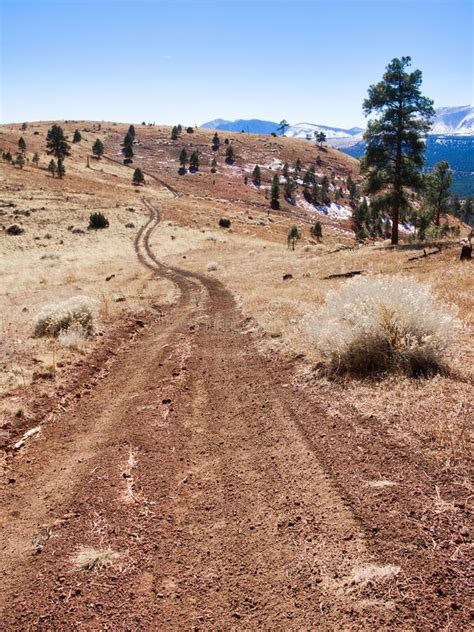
[320, 138]
[275, 192]
[360, 217]
[283, 126]
[22, 145]
[316, 196]
[298, 166]
[316, 231]
[286, 171]
[24, 127]
[289, 188]
[180, 128]
[138, 177]
[319, 162]
[183, 158]
[216, 142]
[36, 158]
[61, 169]
[174, 133]
[437, 189]
[131, 132]
[325, 190]
[56, 143]
[77, 137]
[7, 156]
[337, 195]
[98, 148]
[257, 176]
[52, 167]
[312, 174]
[194, 161]
[213, 165]
[20, 161]
[293, 235]
[394, 147]
[229, 155]
[307, 179]
[467, 211]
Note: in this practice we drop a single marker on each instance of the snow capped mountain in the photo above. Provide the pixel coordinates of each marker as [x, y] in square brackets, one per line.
[251, 126]
[454, 121]
[307, 130]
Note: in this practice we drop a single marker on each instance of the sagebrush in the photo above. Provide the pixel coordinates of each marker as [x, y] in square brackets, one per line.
[375, 325]
[56, 318]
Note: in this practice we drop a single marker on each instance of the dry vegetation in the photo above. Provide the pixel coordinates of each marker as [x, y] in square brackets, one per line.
[50, 263]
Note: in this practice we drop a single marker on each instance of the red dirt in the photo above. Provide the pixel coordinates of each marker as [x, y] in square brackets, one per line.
[246, 507]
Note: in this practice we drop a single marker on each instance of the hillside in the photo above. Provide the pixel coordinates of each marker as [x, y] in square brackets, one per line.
[190, 462]
[451, 138]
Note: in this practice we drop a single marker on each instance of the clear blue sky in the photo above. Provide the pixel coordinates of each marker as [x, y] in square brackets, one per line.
[190, 61]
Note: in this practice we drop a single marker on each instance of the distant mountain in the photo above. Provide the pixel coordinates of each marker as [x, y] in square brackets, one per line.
[251, 126]
[451, 138]
[454, 121]
[307, 130]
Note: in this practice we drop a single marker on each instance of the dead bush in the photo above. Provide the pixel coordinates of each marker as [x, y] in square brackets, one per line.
[375, 325]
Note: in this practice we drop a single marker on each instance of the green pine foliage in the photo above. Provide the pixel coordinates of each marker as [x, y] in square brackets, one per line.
[275, 193]
[293, 236]
[138, 177]
[56, 143]
[394, 154]
[257, 175]
[77, 137]
[437, 185]
[98, 148]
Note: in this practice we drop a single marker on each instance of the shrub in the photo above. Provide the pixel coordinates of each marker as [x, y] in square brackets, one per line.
[73, 338]
[212, 266]
[224, 222]
[375, 325]
[57, 318]
[98, 221]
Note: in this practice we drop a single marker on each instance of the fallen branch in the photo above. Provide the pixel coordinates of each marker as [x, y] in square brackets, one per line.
[426, 254]
[344, 275]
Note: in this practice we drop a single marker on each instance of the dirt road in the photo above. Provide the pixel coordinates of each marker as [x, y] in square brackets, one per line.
[187, 459]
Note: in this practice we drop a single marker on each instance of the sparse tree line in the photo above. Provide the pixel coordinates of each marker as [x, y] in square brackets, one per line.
[192, 160]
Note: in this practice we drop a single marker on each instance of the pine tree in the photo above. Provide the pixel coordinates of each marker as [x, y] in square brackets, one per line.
[316, 193]
[20, 161]
[257, 176]
[289, 188]
[56, 143]
[293, 235]
[35, 158]
[180, 128]
[437, 189]
[174, 133]
[77, 137]
[360, 217]
[275, 192]
[337, 195]
[183, 158]
[24, 127]
[131, 132]
[128, 143]
[229, 155]
[394, 147]
[320, 138]
[298, 166]
[283, 126]
[467, 211]
[7, 156]
[325, 190]
[286, 171]
[213, 165]
[216, 142]
[98, 148]
[307, 179]
[138, 177]
[194, 161]
[22, 145]
[61, 169]
[316, 231]
[52, 167]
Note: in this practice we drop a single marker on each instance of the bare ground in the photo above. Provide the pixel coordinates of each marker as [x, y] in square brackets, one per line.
[233, 499]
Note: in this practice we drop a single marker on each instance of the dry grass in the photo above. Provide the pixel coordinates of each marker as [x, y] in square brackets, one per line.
[78, 313]
[377, 324]
[90, 559]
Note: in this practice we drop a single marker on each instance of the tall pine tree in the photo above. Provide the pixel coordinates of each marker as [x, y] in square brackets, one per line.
[394, 153]
[437, 189]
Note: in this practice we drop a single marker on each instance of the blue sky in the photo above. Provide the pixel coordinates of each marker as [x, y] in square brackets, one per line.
[190, 61]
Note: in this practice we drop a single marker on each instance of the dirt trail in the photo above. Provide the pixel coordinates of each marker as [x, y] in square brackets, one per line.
[188, 461]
